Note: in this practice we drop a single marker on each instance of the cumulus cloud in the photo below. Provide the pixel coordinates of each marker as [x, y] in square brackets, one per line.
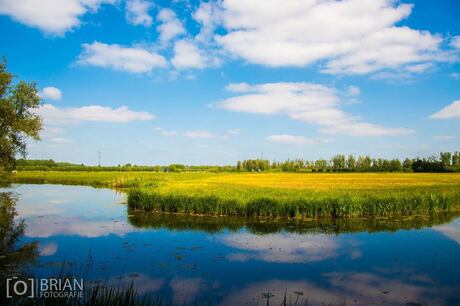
[51, 93]
[449, 112]
[286, 248]
[208, 15]
[130, 59]
[185, 290]
[312, 103]
[450, 230]
[164, 132]
[455, 42]
[72, 115]
[187, 55]
[53, 17]
[47, 249]
[296, 140]
[349, 37]
[137, 12]
[353, 90]
[291, 139]
[199, 134]
[170, 26]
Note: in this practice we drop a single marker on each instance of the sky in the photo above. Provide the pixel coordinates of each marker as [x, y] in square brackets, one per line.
[212, 82]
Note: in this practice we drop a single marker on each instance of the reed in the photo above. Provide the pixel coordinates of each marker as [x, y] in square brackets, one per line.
[313, 205]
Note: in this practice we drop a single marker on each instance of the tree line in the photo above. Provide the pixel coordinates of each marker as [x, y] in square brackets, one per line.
[51, 165]
[446, 162]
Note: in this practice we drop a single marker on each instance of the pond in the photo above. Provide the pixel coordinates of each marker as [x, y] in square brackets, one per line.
[231, 261]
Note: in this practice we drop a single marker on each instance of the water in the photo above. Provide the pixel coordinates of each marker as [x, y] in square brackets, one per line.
[235, 262]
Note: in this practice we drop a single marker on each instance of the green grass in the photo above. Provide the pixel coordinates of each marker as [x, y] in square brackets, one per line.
[285, 195]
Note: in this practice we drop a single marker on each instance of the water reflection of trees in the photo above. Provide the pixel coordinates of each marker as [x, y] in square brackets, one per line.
[141, 219]
[14, 255]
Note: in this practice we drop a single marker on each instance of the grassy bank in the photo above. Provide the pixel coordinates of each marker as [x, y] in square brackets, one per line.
[292, 195]
[109, 179]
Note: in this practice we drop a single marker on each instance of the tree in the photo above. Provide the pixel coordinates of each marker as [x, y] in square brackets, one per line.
[351, 163]
[445, 158]
[338, 162]
[238, 166]
[407, 164]
[456, 159]
[17, 120]
[321, 165]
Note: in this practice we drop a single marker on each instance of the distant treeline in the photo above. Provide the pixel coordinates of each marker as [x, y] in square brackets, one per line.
[446, 162]
[49, 164]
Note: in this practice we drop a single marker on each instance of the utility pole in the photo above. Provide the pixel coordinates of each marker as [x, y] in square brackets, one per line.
[99, 163]
[262, 155]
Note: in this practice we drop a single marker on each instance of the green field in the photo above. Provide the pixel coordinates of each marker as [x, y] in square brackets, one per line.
[292, 195]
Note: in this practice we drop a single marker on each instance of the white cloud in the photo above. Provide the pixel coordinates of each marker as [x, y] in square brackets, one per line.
[308, 102]
[445, 137]
[450, 230]
[298, 140]
[291, 139]
[130, 59]
[419, 68]
[137, 12]
[51, 16]
[349, 37]
[187, 55]
[170, 26]
[199, 134]
[455, 75]
[455, 42]
[449, 112]
[353, 91]
[208, 15]
[285, 247]
[47, 249]
[51, 93]
[164, 132]
[186, 290]
[72, 115]
[238, 87]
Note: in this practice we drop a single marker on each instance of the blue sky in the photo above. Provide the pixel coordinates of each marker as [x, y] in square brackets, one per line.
[159, 82]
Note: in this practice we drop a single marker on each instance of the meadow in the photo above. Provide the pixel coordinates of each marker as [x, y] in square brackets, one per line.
[290, 195]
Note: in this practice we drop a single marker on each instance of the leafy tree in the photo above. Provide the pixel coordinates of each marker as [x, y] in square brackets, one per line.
[238, 166]
[456, 159]
[338, 162]
[407, 164]
[351, 163]
[445, 158]
[395, 165]
[321, 165]
[364, 163]
[17, 121]
[428, 165]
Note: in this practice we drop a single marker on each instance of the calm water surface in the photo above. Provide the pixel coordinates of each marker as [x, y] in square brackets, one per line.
[233, 262]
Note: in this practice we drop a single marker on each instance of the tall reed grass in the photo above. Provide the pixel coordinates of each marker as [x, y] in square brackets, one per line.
[324, 204]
